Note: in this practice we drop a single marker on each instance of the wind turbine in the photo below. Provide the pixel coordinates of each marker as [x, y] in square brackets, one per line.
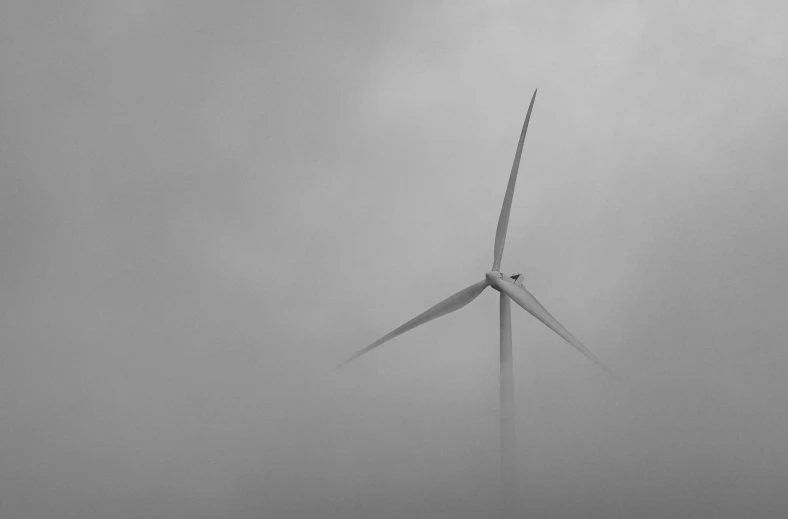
[510, 287]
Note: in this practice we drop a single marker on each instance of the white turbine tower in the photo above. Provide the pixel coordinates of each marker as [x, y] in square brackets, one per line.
[510, 287]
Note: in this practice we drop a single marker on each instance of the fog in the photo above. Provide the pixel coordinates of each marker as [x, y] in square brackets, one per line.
[207, 206]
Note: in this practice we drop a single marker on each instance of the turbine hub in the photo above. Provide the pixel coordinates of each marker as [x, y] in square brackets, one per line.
[492, 276]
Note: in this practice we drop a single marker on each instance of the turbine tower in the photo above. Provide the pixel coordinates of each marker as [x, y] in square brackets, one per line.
[510, 288]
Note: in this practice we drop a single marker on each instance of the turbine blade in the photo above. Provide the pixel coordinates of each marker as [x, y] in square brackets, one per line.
[448, 305]
[503, 219]
[523, 297]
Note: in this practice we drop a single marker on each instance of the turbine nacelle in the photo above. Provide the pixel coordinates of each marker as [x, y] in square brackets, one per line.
[492, 275]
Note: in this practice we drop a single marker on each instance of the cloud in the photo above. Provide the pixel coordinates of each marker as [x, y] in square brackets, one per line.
[205, 209]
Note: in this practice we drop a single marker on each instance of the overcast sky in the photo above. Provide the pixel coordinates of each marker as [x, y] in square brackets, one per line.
[207, 205]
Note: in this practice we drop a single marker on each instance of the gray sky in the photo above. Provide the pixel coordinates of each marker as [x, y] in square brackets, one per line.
[206, 206]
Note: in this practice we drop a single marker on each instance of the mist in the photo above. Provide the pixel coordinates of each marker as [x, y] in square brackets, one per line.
[206, 207]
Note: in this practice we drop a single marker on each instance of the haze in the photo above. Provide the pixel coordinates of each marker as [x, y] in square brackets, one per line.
[207, 205]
